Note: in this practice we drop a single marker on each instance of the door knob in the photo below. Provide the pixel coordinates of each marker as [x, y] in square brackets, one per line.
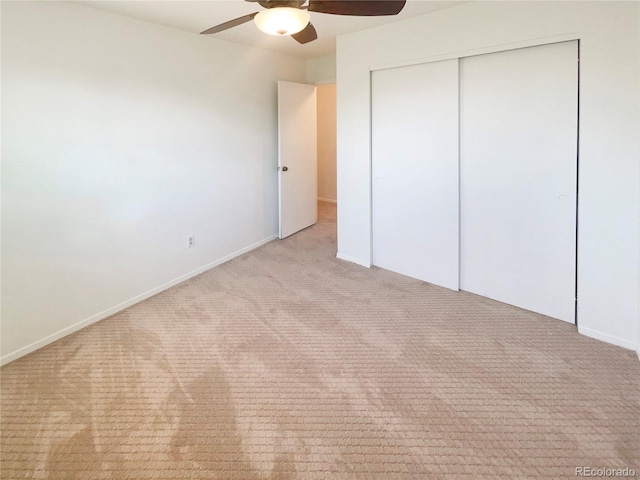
[284, 169]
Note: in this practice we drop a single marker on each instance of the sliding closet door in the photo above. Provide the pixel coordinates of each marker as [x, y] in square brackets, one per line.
[518, 163]
[415, 171]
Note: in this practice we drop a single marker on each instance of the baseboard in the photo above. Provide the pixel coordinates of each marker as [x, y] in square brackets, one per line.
[357, 261]
[620, 342]
[118, 308]
[328, 200]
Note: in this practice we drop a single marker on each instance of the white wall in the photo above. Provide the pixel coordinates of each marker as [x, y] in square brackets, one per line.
[120, 139]
[326, 95]
[321, 70]
[608, 232]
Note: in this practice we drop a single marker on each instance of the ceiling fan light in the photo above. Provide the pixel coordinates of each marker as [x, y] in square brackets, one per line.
[282, 20]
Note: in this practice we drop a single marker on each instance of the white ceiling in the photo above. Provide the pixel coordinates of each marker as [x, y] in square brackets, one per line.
[196, 16]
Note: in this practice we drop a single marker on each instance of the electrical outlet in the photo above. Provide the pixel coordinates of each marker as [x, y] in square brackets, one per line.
[191, 241]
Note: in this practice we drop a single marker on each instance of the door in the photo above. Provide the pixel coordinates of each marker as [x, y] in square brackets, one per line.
[518, 180]
[297, 157]
[415, 171]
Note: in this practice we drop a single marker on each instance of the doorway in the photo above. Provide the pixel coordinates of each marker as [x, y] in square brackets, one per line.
[307, 155]
[326, 108]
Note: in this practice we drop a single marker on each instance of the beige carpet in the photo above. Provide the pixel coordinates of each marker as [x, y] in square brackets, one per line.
[287, 363]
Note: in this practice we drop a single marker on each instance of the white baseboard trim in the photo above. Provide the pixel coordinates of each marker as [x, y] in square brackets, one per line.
[357, 261]
[118, 308]
[328, 200]
[620, 342]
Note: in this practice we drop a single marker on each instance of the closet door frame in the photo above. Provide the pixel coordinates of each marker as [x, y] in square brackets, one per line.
[470, 53]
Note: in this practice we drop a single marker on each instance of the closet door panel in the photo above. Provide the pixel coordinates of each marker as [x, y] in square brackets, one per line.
[415, 171]
[518, 163]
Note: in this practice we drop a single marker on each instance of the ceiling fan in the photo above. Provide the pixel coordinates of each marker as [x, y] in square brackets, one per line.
[291, 17]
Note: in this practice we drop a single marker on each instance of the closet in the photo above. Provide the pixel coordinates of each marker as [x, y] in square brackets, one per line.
[474, 174]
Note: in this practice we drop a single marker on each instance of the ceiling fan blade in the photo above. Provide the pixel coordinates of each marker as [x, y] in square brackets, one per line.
[364, 8]
[229, 24]
[306, 35]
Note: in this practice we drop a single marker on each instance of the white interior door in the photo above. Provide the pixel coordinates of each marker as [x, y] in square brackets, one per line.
[518, 164]
[415, 171]
[297, 157]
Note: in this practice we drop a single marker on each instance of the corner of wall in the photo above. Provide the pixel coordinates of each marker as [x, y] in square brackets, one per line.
[357, 261]
[321, 70]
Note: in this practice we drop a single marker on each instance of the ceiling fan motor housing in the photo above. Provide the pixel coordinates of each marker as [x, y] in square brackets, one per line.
[282, 3]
